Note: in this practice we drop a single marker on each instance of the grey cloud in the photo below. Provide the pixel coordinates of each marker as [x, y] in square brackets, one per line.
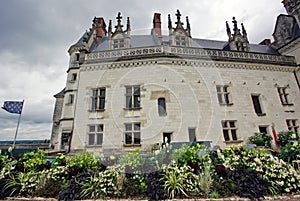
[35, 37]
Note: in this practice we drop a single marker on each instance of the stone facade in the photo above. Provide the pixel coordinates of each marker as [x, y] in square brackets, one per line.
[127, 92]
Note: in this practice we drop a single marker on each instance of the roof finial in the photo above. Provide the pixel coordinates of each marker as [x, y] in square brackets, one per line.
[119, 26]
[188, 26]
[243, 30]
[235, 28]
[228, 29]
[169, 22]
[178, 15]
[128, 25]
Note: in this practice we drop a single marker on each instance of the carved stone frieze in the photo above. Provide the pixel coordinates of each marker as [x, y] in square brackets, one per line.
[187, 52]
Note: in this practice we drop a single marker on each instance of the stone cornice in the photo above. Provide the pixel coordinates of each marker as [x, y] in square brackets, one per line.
[186, 62]
[187, 52]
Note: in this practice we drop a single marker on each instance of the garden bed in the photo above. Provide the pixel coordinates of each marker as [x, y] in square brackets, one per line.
[186, 173]
[275, 198]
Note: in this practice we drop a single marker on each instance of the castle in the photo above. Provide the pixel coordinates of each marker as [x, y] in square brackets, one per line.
[126, 92]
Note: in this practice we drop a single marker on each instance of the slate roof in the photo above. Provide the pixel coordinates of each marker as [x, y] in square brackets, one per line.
[137, 41]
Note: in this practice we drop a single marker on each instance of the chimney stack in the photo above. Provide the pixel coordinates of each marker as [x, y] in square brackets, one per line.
[157, 25]
[100, 26]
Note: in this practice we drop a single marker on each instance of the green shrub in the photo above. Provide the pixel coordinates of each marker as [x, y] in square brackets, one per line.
[281, 175]
[286, 137]
[261, 139]
[101, 184]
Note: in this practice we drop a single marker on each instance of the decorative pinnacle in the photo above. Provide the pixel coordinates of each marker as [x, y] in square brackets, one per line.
[235, 28]
[169, 22]
[243, 30]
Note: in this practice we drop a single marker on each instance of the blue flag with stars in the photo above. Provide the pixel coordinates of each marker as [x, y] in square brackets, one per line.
[13, 106]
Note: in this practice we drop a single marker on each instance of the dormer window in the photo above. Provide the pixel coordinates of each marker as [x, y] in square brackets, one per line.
[119, 39]
[180, 41]
[179, 36]
[238, 40]
[118, 43]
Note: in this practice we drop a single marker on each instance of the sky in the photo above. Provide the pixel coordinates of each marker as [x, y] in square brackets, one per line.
[36, 35]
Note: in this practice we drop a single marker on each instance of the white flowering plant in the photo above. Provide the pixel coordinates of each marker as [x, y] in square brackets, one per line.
[281, 175]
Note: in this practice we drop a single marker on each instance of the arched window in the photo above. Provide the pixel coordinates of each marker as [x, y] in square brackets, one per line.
[161, 103]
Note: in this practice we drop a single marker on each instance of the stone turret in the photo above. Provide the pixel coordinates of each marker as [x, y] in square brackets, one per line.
[292, 7]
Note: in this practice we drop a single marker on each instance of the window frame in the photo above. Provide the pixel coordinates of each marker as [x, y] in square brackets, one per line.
[181, 40]
[119, 43]
[284, 96]
[226, 126]
[224, 95]
[257, 105]
[71, 99]
[293, 126]
[162, 107]
[134, 134]
[98, 99]
[132, 97]
[97, 133]
[192, 134]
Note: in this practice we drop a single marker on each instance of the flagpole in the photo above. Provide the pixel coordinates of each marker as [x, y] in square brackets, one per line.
[14, 143]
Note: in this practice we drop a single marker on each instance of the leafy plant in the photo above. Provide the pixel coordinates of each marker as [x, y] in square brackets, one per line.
[204, 180]
[177, 180]
[155, 188]
[249, 184]
[22, 183]
[290, 153]
[261, 139]
[100, 185]
[281, 175]
[285, 137]
[34, 161]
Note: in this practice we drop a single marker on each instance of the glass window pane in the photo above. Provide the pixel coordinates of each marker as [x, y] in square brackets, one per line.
[99, 139]
[94, 103]
[102, 92]
[137, 138]
[128, 127]
[95, 92]
[256, 103]
[129, 90]
[102, 103]
[128, 138]
[128, 102]
[137, 126]
[226, 96]
[232, 124]
[137, 101]
[136, 89]
[220, 98]
[92, 128]
[100, 128]
[91, 139]
[218, 89]
[233, 133]
[226, 135]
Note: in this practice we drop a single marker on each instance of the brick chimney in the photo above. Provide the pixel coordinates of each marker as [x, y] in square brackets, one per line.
[265, 42]
[100, 26]
[156, 25]
[285, 2]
